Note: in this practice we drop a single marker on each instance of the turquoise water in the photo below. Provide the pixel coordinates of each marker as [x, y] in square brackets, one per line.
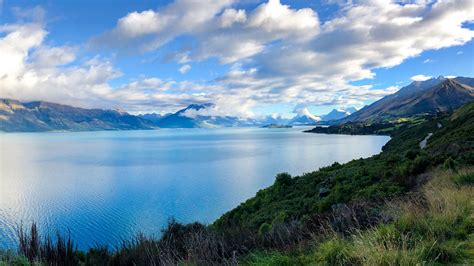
[107, 186]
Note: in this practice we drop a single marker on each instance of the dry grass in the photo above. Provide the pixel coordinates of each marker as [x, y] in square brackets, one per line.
[432, 226]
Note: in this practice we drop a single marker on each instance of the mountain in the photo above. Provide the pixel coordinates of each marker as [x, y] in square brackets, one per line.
[420, 97]
[200, 116]
[304, 118]
[337, 114]
[180, 120]
[153, 117]
[16, 116]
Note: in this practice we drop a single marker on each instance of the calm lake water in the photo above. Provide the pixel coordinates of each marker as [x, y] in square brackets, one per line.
[107, 186]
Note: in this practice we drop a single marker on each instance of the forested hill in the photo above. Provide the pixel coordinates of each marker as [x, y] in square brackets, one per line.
[389, 173]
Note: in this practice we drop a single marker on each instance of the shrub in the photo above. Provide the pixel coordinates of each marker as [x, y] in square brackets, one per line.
[335, 251]
[264, 228]
[450, 164]
[464, 179]
[282, 179]
[270, 259]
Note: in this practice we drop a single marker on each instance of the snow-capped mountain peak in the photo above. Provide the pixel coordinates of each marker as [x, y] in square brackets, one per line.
[304, 117]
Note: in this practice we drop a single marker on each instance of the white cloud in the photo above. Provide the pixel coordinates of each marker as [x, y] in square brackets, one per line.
[137, 24]
[428, 60]
[228, 34]
[232, 16]
[287, 55]
[279, 54]
[149, 30]
[269, 22]
[184, 69]
[420, 77]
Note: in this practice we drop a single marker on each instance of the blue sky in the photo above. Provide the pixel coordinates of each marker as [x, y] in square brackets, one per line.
[250, 58]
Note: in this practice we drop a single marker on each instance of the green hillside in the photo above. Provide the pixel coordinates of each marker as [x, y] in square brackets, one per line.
[393, 171]
[432, 226]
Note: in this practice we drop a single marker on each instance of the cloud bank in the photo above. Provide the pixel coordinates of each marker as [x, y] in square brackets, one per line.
[276, 53]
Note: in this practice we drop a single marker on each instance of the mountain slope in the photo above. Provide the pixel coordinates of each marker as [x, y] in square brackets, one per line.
[337, 114]
[389, 173]
[153, 117]
[304, 118]
[431, 96]
[199, 116]
[179, 120]
[45, 116]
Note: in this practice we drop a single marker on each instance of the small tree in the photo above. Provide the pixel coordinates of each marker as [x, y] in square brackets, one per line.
[282, 179]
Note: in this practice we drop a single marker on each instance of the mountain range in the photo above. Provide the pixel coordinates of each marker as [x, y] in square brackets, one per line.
[16, 116]
[304, 117]
[198, 116]
[436, 95]
[45, 116]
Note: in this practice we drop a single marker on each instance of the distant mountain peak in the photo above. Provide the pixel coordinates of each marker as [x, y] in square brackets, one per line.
[202, 116]
[338, 113]
[199, 106]
[307, 113]
[304, 117]
[120, 110]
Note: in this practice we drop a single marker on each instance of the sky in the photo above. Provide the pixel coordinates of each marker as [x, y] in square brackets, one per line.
[250, 58]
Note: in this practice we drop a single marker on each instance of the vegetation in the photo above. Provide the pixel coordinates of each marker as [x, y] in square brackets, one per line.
[433, 225]
[384, 127]
[395, 170]
[336, 215]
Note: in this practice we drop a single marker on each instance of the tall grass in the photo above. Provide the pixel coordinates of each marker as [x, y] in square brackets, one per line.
[434, 225]
[61, 251]
[193, 244]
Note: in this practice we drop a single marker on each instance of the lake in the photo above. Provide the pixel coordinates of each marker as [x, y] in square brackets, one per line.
[107, 186]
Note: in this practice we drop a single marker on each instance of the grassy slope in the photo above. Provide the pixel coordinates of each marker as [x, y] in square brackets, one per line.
[384, 175]
[434, 225]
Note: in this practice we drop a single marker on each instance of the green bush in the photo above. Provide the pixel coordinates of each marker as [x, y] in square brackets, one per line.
[271, 259]
[450, 164]
[282, 179]
[264, 228]
[464, 179]
[335, 251]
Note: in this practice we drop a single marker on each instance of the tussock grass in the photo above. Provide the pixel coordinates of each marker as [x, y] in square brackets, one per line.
[432, 226]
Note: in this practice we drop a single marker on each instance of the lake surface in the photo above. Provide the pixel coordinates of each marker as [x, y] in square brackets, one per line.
[107, 186]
